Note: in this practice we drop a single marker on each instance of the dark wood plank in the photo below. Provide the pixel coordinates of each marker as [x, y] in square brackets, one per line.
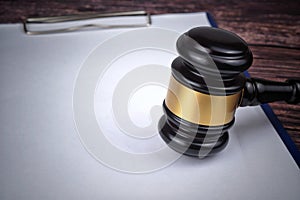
[271, 27]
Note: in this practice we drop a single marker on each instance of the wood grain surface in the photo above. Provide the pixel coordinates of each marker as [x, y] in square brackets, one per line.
[272, 28]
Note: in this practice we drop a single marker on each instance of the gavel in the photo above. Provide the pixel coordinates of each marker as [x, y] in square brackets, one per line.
[206, 87]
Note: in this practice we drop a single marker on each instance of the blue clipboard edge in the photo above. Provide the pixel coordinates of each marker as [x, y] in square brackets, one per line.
[290, 145]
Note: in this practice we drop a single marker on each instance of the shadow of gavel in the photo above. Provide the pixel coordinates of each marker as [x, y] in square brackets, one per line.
[206, 87]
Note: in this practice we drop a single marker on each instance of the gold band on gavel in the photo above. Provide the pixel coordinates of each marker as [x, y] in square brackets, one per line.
[200, 108]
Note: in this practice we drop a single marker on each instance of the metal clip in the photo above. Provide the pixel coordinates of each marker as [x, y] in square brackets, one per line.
[69, 18]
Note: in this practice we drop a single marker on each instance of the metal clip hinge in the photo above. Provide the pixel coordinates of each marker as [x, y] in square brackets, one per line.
[69, 18]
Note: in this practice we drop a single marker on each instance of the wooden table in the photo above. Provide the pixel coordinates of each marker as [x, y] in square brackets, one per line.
[271, 28]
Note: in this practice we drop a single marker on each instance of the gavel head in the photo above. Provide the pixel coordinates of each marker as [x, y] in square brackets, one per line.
[204, 91]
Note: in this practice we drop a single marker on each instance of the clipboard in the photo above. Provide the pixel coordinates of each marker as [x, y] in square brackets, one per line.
[42, 155]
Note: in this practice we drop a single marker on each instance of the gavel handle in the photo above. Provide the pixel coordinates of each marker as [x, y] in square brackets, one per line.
[259, 91]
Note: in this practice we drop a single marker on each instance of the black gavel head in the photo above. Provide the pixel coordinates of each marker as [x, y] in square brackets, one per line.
[204, 91]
